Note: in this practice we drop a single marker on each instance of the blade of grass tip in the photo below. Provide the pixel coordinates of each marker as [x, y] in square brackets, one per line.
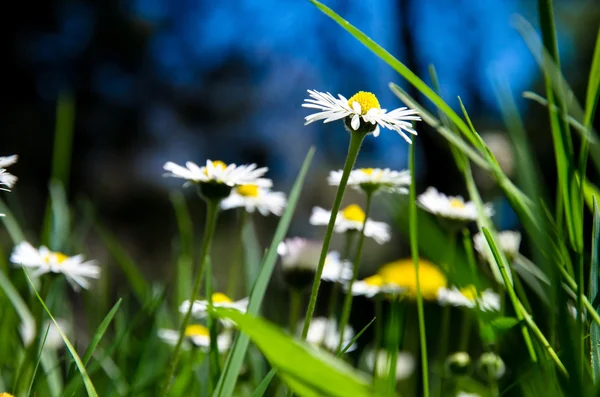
[60, 217]
[37, 362]
[573, 122]
[593, 294]
[11, 224]
[353, 340]
[414, 249]
[593, 87]
[400, 68]
[262, 387]
[80, 366]
[186, 247]
[236, 356]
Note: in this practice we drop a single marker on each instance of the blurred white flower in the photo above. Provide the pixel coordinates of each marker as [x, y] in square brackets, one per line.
[352, 218]
[7, 179]
[219, 172]
[53, 340]
[405, 363]
[488, 300]
[374, 179]
[324, 332]
[361, 111]
[199, 308]
[374, 285]
[336, 269]
[299, 253]
[253, 197]
[196, 334]
[491, 366]
[75, 268]
[465, 394]
[508, 241]
[451, 207]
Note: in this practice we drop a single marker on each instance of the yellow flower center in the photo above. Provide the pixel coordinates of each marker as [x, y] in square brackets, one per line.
[6, 395]
[457, 203]
[196, 330]
[366, 100]
[248, 190]
[216, 164]
[56, 257]
[375, 280]
[367, 171]
[469, 292]
[403, 274]
[219, 297]
[353, 213]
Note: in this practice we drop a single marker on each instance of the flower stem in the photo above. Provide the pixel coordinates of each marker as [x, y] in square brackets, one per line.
[378, 329]
[414, 248]
[348, 298]
[209, 231]
[356, 139]
[295, 305]
[235, 268]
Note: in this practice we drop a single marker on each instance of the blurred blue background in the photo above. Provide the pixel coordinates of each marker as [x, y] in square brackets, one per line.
[159, 80]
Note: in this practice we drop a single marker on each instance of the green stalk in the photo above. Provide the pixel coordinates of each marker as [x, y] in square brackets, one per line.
[295, 305]
[378, 329]
[209, 231]
[348, 299]
[213, 351]
[235, 269]
[414, 248]
[356, 139]
[573, 286]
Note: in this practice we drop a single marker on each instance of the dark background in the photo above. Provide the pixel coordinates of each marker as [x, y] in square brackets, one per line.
[159, 80]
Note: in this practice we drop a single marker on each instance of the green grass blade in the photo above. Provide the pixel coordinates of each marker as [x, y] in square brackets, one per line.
[80, 366]
[309, 370]
[252, 252]
[235, 359]
[353, 340]
[11, 224]
[60, 217]
[264, 384]
[100, 331]
[593, 88]
[37, 362]
[63, 139]
[593, 294]
[183, 288]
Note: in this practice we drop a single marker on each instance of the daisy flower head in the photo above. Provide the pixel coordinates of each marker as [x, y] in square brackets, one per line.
[372, 180]
[219, 299]
[336, 269]
[352, 218]
[361, 113]
[402, 274]
[76, 269]
[373, 285]
[508, 241]
[254, 197]
[5, 394]
[491, 366]
[458, 364]
[197, 335]
[324, 332]
[381, 360]
[453, 208]
[299, 260]
[216, 178]
[7, 179]
[488, 300]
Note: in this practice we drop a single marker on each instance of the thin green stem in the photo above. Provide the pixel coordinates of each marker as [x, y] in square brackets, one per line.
[235, 268]
[215, 364]
[414, 248]
[580, 321]
[573, 286]
[348, 298]
[465, 333]
[378, 329]
[295, 306]
[356, 139]
[209, 231]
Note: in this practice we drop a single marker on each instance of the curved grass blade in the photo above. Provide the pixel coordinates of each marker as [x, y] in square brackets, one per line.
[37, 363]
[264, 384]
[593, 294]
[235, 359]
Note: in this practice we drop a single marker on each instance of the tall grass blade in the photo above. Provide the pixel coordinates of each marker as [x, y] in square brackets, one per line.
[235, 359]
[37, 362]
[11, 224]
[593, 294]
[186, 247]
[264, 384]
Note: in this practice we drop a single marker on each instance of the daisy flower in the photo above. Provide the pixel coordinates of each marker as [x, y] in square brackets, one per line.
[508, 241]
[75, 268]
[382, 360]
[361, 112]
[5, 394]
[451, 207]
[196, 334]
[254, 197]
[402, 274]
[374, 179]
[488, 300]
[200, 307]
[372, 286]
[324, 332]
[352, 218]
[336, 269]
[458, 364]
[7, 179]
[491, 366]
[220, 173]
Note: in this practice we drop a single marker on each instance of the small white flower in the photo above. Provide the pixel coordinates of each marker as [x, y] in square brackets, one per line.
[491, 366]
[352, 218]
[299, 253]
[508, 241]
[361, 109]
[465, 394]
[405, 363]
[219, 172]
[373, 285]
[487, 301]
[199, 308]
[196, 334]
[7, 179]
[374, 179]
[324, 332]
[75, 268]
[253, 197]
[53, 339]
[336, 269]
[450, 207]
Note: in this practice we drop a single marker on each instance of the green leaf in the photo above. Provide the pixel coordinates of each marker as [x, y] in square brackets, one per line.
[593, 294]
[80, 366]
[235, 359]
[307, 370]
[11, 224]
[264, 384]
[593, 88]
[503, 324]
[100, 331]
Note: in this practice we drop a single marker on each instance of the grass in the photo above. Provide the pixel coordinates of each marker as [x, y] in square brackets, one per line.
[547, 350]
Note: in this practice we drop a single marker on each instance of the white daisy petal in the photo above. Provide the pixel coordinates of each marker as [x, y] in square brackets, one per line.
[219, 172]
[450, 207]
[352, 218]
[324, 333]
[253, 197]
[374, 179]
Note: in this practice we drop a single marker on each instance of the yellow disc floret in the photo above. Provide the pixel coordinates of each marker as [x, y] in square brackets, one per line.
[457, 203]
[469, 292]
[6, 395]
[367, 171]
[366, 100]
[54, 257]
[219, 297]
[196, 330]
[248, 190]
[402, 273]
[375, 280]
[216, 164]
[354, 213]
